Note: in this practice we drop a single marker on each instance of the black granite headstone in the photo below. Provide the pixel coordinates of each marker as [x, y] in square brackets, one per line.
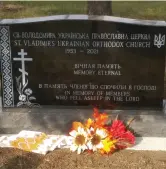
[78, 61]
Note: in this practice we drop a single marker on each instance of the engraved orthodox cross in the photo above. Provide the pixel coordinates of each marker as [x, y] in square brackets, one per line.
[23, 59]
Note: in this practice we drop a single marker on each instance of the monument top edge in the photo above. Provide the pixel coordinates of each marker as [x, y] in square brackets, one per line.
[83, 17]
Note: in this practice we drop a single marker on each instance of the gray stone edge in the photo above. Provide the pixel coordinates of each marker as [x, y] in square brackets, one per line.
[84, 17]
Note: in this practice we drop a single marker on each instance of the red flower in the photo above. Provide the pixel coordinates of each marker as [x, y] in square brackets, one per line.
[123, 136]
[126, 140]
[117, 128]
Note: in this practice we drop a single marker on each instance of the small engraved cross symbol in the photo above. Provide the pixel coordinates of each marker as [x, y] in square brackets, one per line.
[23, 59]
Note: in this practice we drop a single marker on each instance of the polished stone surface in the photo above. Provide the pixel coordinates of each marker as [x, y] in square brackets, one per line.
[128, 73]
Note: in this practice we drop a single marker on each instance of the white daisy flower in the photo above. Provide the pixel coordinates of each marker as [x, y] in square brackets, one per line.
[96, 139]
[79, 139]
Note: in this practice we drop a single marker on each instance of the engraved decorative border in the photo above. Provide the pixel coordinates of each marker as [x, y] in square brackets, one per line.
[6, 67]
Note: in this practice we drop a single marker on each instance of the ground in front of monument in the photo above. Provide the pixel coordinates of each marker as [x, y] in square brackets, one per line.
[82, 83]
[63, 158]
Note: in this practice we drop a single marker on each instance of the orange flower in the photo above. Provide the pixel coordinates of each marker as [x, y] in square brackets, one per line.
[75, 125]
[99, 118]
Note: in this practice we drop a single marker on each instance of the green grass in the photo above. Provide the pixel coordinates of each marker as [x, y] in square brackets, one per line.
[141, 10]
[33, 9]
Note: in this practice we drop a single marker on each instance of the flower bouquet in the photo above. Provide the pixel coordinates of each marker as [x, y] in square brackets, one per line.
[98, 135]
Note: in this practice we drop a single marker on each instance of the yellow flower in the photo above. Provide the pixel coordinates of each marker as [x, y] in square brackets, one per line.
[109, 145]
[89, 122]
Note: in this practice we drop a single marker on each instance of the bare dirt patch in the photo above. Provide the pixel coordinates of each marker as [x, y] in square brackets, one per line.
[64, 159]
[12, 7]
